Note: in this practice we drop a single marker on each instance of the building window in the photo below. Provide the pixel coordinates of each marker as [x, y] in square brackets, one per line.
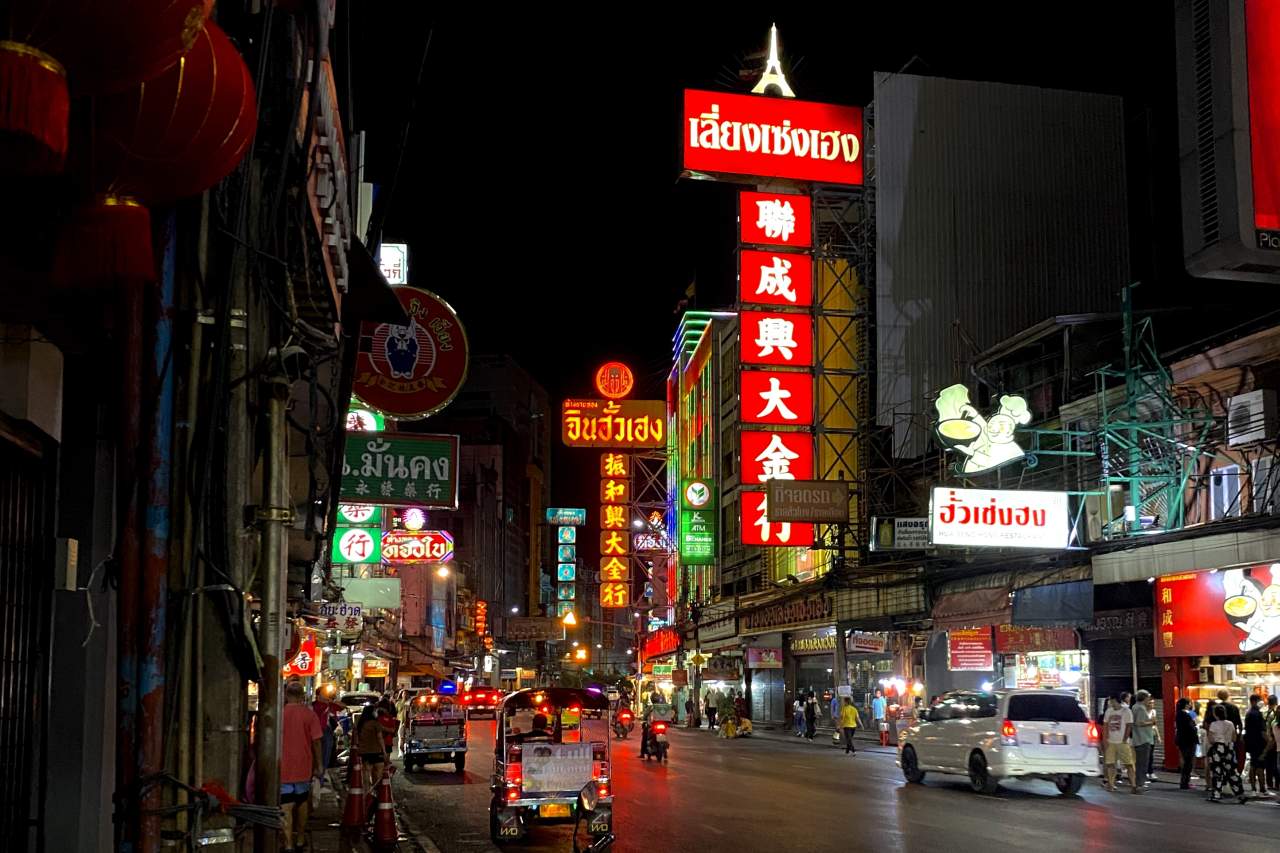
[1224, 492]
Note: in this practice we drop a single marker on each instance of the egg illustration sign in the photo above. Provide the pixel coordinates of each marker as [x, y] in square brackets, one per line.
[1227, 612]
[416, 370]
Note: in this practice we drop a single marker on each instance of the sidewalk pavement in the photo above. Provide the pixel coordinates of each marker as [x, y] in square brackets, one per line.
[322, 828]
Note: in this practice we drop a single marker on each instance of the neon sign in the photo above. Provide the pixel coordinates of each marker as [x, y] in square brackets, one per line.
[773, 397]
[775, 219]
[776, 456]
[421, 546]
[758, 530]
[614, 380]
[614, 423]
[771, 337]
[775, 278]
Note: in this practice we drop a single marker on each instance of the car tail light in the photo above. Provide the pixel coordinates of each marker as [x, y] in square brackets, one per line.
[514, 775]
[602, 787]
[1008, 733]
[624, 716]
[599, 764]
[1092, 735]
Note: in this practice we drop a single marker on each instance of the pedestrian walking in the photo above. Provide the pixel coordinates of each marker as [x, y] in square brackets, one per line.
[810, 715]
[1186, 734]
[301, 764]
[849, 725]
[1255, 743]
[1269, 757]
[797, 714]
[709, 705]
[326, 712]
[879, 710]
[1144, 736]
[1118, 724]
[1222, 740]
[834, 709]
[367, 740]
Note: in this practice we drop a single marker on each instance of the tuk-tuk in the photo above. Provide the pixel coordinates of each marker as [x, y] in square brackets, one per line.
[437, 733]
[544, 760]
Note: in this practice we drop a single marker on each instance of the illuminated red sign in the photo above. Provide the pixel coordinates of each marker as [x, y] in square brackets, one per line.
[758, 530]
[734, 134]
[775, 278]
[615, 465]
[306, 662]
[480, 620]
[614, 569]
[774, 397]
[615, 491]
[614, 380]
[613, 517]
[1226, 612]
[771, 337]
[1262, 35]
[663, 641]
[775, 219]
[421, 546]
[615, 594]
[776, 455]
[613, 543]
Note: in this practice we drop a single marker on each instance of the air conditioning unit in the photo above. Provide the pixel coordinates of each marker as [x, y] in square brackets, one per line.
[1251, 417]
[1093, 520]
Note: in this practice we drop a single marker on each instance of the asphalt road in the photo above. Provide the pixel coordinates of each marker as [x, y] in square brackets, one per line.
[783, 795]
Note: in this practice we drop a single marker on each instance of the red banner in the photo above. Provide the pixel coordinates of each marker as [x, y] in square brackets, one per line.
[1020, 639]
[754, 135]
[758, 530]
[776, 455]
[969, 649]
[775, 278]
[773, 397]
[1228, 612]
[771, 337]
[1262, 35]
[775, 219]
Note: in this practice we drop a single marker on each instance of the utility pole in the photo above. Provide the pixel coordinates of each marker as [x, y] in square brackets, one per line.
[272, 518]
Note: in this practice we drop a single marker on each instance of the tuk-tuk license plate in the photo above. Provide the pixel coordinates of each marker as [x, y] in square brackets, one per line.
[555, 810]
[1053, 739]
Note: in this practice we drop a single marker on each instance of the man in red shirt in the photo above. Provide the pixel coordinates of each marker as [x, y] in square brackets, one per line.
[300, 763]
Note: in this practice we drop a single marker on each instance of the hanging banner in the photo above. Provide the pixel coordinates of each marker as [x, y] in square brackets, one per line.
[416, 370]
[569, 516]
[756, 135]
[764, 658]
[970, 650]
[697, 521]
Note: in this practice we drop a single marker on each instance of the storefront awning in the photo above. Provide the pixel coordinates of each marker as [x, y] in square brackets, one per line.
[1061, 605]
[972, 608]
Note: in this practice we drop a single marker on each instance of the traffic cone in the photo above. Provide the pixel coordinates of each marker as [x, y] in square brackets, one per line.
[385, 834]
[353, 812]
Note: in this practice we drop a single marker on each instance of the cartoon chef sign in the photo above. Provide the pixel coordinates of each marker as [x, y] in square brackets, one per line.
[988, 443]
[1252, 604]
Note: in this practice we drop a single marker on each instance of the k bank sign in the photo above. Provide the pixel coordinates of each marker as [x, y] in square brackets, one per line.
[999, 518]
[754, 135]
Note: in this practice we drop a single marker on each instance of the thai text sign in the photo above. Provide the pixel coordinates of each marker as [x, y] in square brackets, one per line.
[614, 423]
[423, 546]
[1020, 639]
[345, 616]
[726, 133]
[531, 628]
[775, 219]
[775, 278]
[969, 650]
[795, 611]
[570, 516]
[899, 534]
[808, 500]
[999, 518]
[663, 641]
[1218, 613]
[555, 767]
[401, 468]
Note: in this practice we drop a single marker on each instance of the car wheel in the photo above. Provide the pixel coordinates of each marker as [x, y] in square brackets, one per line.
[460, 764]
[980, 778]
[1069, 784]
[911, 766]
[493, 824]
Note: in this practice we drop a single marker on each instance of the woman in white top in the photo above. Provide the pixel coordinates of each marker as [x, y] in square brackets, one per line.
[1222, 755]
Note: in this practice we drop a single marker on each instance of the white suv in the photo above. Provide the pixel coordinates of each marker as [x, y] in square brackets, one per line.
[1015, 734]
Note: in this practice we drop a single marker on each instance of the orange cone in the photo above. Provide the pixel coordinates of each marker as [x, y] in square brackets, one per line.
[385, 834]
[353, 812]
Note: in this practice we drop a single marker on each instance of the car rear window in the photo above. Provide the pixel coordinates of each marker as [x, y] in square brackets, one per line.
[1059, 709]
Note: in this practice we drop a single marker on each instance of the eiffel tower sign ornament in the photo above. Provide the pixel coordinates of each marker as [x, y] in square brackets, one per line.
[773, 75]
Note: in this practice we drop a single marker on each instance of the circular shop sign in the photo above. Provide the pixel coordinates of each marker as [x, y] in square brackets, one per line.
[614, 380]
[697, 493]
[416, 370]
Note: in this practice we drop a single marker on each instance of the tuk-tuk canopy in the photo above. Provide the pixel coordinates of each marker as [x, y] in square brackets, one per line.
[559, 697]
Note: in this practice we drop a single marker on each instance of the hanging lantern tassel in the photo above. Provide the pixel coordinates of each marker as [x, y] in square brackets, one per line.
[104, 243]
[34, 106]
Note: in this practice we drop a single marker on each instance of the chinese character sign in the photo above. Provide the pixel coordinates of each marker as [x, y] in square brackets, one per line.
[615, 595]
[566, 591]
[1228, 612]
[613, 517]
[306, 662]
[566, 553]
[615, 491]
[614, 569]
[401, 469]
[356, 545]
[613, 543]
[767, 337]
[775, 219]
[758, 530]
[776, 456]
[359, 515]
[773, 397]
[615, 465]
[614, 423]
[775, 278]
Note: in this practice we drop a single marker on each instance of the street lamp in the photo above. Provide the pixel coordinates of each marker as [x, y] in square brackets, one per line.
[442, 572]
[515, 609]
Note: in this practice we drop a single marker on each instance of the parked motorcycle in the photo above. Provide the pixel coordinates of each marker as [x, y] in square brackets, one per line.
[623, 723]
[653, 741]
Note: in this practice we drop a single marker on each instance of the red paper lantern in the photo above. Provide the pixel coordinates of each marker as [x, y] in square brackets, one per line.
[172, 137]
[34, 105]
[122, 44]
